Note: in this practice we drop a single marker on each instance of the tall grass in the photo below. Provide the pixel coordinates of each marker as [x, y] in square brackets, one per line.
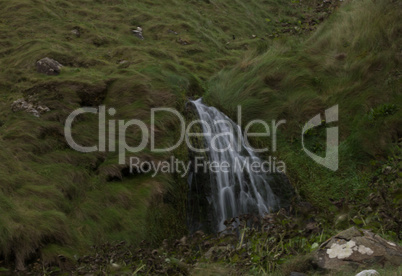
[352, 60]
[57, 201]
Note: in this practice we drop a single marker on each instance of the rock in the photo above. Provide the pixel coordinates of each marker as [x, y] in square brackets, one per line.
[48, 66]
[183, 240]
[138, 33]
[76, 32]
[312, 227]
[28, 106]
[183, 42]
[123, 63]
[370, 272]
[297, 274]
[199, 233]
[355, 249]
[173, 32]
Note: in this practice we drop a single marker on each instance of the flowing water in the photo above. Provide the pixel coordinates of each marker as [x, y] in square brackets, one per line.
[236, 189]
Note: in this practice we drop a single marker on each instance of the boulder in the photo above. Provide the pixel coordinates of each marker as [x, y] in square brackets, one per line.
[48, 66]
[353, 249]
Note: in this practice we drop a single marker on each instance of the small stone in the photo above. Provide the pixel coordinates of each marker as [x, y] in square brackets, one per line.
[199, 233]
[370, 272]
[48, 66]
[297, 274]
[183, 240]
[138, 33]
[183, 42]
[172, 32]
[114, 265]
[76, 32]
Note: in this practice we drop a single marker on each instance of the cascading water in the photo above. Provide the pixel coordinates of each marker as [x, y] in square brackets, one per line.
[237, 189]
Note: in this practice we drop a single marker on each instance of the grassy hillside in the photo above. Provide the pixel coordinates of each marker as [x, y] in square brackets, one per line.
[267, 56]
[54, 200]
[353, 60]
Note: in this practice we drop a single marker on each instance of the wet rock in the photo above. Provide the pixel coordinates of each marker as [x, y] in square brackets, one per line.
[48, 66]
[138, 33]
[28, 106]
[355, 249]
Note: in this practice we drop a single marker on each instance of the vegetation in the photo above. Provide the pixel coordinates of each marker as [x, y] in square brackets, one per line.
[352, 61]
[278, 244]
[267, 56]
[57, 201]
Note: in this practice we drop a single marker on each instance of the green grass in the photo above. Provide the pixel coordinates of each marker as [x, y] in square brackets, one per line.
[352, 60]
[54, 199]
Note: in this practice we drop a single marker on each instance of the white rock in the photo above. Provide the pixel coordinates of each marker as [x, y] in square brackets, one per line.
[368, 273]
[34, 109]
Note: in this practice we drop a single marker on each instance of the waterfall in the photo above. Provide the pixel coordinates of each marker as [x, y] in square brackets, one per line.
[236, 190]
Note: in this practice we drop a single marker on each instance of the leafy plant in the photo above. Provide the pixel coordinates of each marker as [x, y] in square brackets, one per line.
[383, 110]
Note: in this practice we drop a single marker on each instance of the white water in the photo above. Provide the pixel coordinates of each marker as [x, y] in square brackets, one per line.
[234, 191]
